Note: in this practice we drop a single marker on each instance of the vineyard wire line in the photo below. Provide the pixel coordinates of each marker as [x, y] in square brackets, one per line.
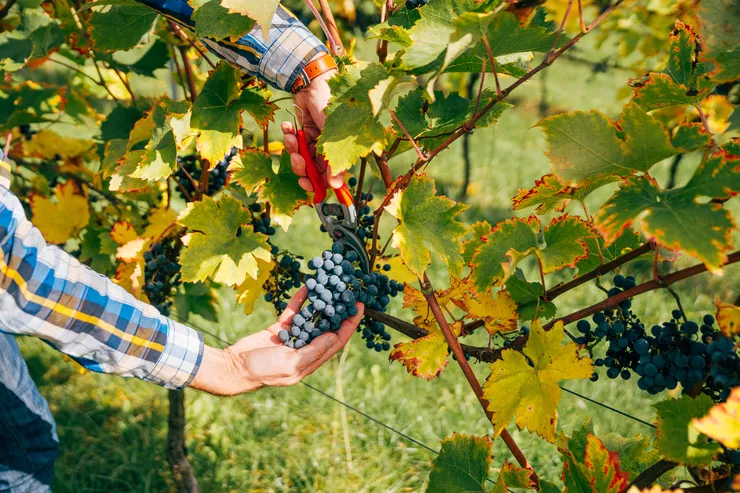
[367, 416]
[608, 407]
[348, 406]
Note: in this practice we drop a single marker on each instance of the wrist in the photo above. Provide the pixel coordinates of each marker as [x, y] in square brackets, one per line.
[220, 374]
[315, 73]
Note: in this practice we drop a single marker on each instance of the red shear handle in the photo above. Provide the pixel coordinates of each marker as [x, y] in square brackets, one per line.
[319, 186]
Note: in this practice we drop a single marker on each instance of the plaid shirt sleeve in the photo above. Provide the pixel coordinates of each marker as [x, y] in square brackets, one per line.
[47, 293]
[278, 60]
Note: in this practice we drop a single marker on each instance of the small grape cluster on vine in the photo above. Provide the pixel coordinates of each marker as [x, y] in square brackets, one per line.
[261, 221]
[162, 273]
[334, 288]
[699, 357]
[415, 4]
[189, 171]
[285, 277]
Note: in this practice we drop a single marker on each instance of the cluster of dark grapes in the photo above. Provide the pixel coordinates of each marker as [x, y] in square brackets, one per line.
[365, 219]
[162, 273]
[669, 354]
[284, 278]
[261, 220]
[334, 288]
[415, 4]
[191, 165]
[25, 130]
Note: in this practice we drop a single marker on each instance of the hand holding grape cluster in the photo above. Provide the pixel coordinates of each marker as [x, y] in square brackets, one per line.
[333, 291]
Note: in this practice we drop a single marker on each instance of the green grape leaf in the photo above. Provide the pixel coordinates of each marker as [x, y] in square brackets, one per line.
[691, 137]
[680, 66]
[462, 465]
[262, 12]
[527, 296]
[394, 34]
[674, 219]
[549, 193]
[252, 169]
[511, 241]
[119, 122]
[382, 95]
[734, 120]
[114, 150]
[156, 57]
[120, 26]
[280, 188]
[160, 157]
[661, 91]
[221, 245]
[625, 243]
[434, 123]
[512, 476]
[598, 472]
[677, 438]
[29, 102]
[477, 231]
[45, 39]
[719, 22]
[212, 20]
[128, 163]
[587, 146]
[431, 34]
[196, 299]
[351, 131]
[635, 454]
[470, 27]
[427, 219]
[217, 112]
[530, 394]
[94, 253]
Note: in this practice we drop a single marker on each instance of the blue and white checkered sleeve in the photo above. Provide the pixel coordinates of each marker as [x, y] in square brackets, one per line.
[47, 293]
[278, 60]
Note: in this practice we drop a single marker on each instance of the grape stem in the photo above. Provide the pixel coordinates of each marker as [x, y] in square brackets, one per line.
[452, 342]
[6, 8]
[599, 271]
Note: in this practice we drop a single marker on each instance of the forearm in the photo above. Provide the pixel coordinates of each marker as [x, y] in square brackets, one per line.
[220, 374]
[278, 60]
[44, 292]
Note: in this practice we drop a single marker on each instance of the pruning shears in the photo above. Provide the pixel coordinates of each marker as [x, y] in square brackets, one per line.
[340, 219]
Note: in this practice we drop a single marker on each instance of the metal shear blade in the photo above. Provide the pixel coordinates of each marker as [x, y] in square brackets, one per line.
[340, 221]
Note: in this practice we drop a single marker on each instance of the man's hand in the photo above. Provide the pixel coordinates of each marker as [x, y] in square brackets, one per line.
[312, 100]
[261, 359]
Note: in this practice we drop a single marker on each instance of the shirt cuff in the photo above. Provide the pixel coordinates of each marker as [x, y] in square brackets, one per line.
[181, 358]
[290, 48]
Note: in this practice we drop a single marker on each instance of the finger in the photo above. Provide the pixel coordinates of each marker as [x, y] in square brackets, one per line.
[301, 359]
[344, 334]
[298, 164]
[287, 128]
[319, 160]
[305, 184]
[335, 181]
[291, 143]
[312, 131]
[294, 306]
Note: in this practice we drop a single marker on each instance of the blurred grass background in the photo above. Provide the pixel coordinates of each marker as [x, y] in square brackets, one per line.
[113, 431]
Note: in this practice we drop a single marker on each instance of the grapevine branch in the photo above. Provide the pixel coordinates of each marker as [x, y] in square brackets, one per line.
[652, 473]
[651, 285]
[599, 271]
[405, 179]
[6, 8]
[454, 345]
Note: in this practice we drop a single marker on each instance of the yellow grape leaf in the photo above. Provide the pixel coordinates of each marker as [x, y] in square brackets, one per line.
[122, 232]
[723, 421]
[499, 311]
[133, 251]
[275, 147]
[425, 357]
[399, 272]
[414, 299]
[159, 222]
[530, 394]
[61, 220]
[728, 318]
[251, 289]
[48, 144]
[131, 278]
[717, 109]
